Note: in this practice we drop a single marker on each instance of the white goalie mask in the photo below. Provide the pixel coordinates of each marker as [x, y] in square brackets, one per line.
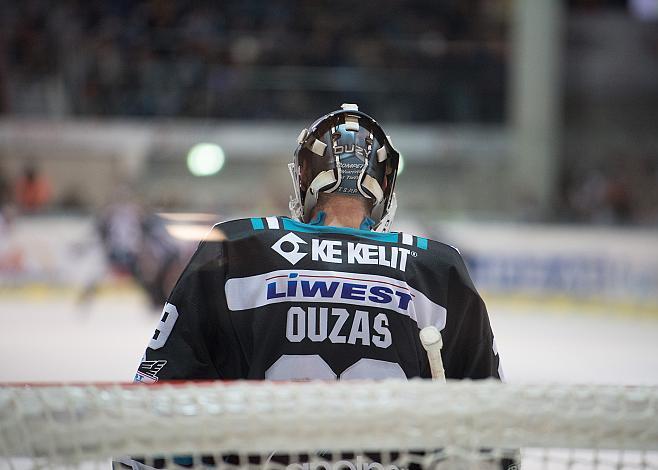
[345, 152]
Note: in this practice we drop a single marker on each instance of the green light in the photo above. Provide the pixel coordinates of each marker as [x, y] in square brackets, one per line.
[205, 159]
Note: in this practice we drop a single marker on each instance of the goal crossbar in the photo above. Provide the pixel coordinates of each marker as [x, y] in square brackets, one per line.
[73, 423]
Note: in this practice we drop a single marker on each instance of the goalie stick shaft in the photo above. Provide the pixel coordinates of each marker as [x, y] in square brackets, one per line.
[430, 338]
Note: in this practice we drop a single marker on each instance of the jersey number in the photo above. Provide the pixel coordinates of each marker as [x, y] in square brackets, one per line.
[166, 324]
[313, 367]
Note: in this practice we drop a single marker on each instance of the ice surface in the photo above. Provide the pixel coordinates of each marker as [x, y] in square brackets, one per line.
[51, 338]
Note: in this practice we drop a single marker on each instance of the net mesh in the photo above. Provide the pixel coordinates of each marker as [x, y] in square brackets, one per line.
[384, 424]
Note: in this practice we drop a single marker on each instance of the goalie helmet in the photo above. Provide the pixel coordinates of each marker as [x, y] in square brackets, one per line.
[345, 152]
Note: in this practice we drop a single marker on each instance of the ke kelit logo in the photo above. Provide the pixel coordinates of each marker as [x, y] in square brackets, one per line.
[288, 246]
[293, 249]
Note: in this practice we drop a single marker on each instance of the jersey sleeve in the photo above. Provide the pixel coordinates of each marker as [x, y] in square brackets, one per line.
[474, 347]
[185, 343]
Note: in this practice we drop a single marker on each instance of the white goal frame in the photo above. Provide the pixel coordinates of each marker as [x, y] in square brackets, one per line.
[71, 424]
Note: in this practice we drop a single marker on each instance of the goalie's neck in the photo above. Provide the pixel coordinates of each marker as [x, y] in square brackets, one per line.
[342, 211]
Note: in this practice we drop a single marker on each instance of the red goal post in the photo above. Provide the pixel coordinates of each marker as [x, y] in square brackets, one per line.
[390, 423]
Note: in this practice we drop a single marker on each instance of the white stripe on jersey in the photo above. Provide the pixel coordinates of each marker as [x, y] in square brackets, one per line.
[407, 239]
[272, 222]
[302, 286]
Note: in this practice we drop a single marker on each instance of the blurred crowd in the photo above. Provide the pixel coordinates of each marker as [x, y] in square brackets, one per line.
[28, 193]
[621, 192]
[416, 60]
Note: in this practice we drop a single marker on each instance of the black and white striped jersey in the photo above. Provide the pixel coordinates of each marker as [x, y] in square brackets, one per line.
[272, 298]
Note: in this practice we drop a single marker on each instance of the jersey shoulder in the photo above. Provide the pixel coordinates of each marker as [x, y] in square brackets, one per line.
[442, 256]
[213, 246]
[237, 229]
[442, 252]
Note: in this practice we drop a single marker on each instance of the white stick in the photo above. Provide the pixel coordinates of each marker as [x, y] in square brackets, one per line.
[430, 337]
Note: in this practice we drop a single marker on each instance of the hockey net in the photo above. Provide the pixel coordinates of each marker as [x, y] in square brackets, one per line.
[321, 425]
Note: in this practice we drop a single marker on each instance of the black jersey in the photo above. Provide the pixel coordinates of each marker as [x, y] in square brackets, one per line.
[272, 298]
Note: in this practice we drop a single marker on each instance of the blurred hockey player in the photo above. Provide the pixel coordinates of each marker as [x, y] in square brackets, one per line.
[328, 293]
[120, 229]
[136, 244]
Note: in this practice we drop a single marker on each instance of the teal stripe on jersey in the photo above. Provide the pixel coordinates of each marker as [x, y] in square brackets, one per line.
[294, 226]
[421, 243]
[257, 223]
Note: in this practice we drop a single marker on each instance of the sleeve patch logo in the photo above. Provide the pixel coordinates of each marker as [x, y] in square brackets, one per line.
[148, 371]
